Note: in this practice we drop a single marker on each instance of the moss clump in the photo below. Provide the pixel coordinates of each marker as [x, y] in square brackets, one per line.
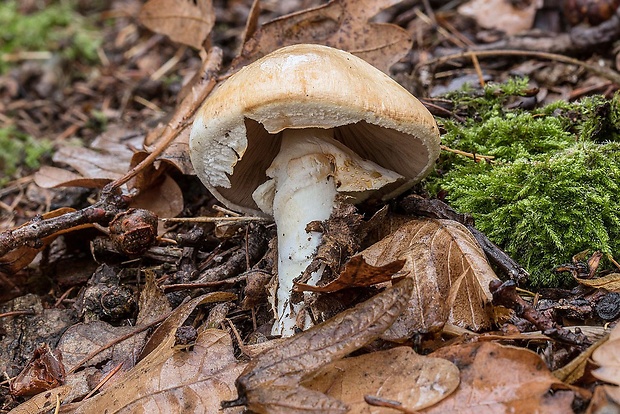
[57, 28]
[552, 190]
[18, 149]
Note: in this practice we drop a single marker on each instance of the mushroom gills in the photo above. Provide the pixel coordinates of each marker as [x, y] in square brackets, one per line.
[305, 176]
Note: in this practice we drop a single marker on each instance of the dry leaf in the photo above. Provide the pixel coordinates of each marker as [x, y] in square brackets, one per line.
[605, 399]
[169, 380]
[43, 402]
[81, 339]
[575, 370]
[164, 199]
[356, 273]
[53, 177]
[505, 15]
[43, 372]
[164, 335]
[270, 382]
[106, 160]
[184, 21]
[399, 374]
[342, 24]
[607, 356]
[109, 157]
[177, 153]
[610, 282]
[450, 272]
[502, 379]
[153, 302]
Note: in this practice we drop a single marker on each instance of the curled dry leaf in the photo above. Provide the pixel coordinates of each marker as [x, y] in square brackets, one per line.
[270, 383]
[502, 379]
[356, 273]
[399, 374]
[184, 21]
[610, 282]
[165, 199]
[153, 302]
[450, 273]
[169, 380]
[342, 24]
[177, 153]
[44, 371]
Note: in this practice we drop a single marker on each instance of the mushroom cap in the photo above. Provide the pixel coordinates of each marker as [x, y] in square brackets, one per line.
[235, 135]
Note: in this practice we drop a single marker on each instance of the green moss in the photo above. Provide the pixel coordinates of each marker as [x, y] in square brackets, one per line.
[552, 190]
[17, 150]
[57, 28]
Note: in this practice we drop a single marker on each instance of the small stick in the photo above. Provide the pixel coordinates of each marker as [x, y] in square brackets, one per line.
[597, 70]
[505, 294]
[180, 119]
[111, 202]
[117, 341]
[104, 380]
[17, 313]
[212, 219]
[473, 156]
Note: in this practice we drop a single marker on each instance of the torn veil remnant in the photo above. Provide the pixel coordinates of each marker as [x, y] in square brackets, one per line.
[288, 132]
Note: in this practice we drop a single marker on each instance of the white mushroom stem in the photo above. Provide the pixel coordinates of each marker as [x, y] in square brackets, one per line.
[309, 170]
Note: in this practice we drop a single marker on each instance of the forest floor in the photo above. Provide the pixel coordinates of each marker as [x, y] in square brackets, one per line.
[511, 244]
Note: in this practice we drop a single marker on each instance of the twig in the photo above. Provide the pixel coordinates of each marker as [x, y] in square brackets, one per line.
[217, 283]
[476, 63]
[118, 340]
[212, 219]
[17, 313]
[180, 120]
[505, 294]
[441, 111]
[111, 202]
[598, 70]
[430, 21]
[473, 156]
[377, 401]
[30, 234]
[104, 380]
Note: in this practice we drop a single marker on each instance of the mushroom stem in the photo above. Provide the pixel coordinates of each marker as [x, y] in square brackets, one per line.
[306, 175]
[304, 191]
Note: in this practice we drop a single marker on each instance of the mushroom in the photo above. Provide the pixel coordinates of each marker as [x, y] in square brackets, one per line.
[284, 135]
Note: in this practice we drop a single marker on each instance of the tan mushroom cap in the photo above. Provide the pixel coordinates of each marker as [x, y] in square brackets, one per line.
[235, 135]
